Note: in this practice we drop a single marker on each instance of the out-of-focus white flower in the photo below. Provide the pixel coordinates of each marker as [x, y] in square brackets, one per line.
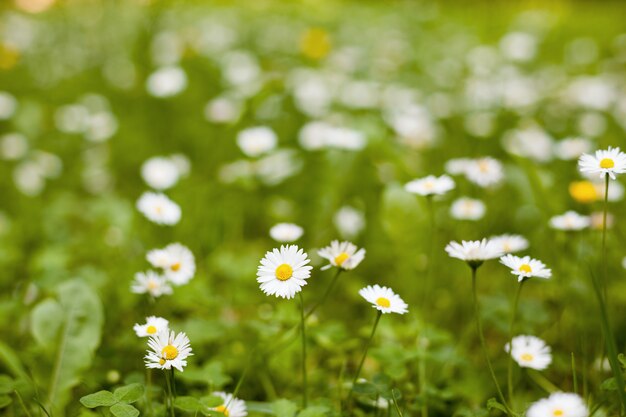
[72, 118]
[277, 166]
[222, 110]
[475, 251]
[465, 208]
[570, 221]
[101, 126]
[8, 105]
[159, 209]
[166, 82]
[152, 326]
[286, 232]
[177, 262]
[413, 125]
[160, 172]
[255, 141]
[28, 178]
[481, 124]
[344, 255]
[430, 185]
[359, 95]
[594, 93]
[519, 46]
[319, 135]
[349, 221]
[572, 148]
[485, 172]
[150, 282]
[458, 166]
[591, 124]
[13, 146]
[559, 404]
[510, 243]
[530, 352]
[531, 142]
[231, 406]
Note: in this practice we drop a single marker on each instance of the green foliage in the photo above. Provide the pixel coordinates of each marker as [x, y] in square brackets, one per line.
[117, 401]
[68, 328]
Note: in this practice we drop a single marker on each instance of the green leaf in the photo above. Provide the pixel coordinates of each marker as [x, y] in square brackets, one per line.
[46, 322]
[211, 401]
[493, 404]
[5, 400]
[129, 394]
[260, 407]
[6, 384]
[315, 411]
[124, 410]
[81, 319]
[284, 408]
[190, 404]
[99, 399]
[12, 361]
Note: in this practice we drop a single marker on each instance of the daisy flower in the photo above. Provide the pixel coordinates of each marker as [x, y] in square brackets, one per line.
[232, 406]
[604, 162]
[151, 283]
[509, 243]
[560, 404]
[256, 141]
[485, 172]
[343, 255]
[286, 232]
[283, 272]
[168, 350]
[570, 221]
[177, 262]
[160, 173]
[530, 352]
[474, 251]
[158, 208]
[525, 267]
[384, 299]
[466, 208]
[430, 185]
[153, 326]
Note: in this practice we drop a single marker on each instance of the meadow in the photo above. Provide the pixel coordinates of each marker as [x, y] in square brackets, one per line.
[312, 209]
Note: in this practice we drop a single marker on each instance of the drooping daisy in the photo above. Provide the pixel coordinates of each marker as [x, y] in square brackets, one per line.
[232, 406]
[604, 162]
[526, 267]
[286, 232]
[509, 243]
[283, 272]
[570, 221]
[466, 208]
[344, 255]
[151, 283]
[474, 251]
[152, 326]
[169, 350]
[559, 404]
[430, 185]
[530, 352]
[160, 173]
[158, 208]
[177, 262]
[384, 299]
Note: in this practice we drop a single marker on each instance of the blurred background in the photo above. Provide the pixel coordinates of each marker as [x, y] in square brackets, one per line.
[362, 96]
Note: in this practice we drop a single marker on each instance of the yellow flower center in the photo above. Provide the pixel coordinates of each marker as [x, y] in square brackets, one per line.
[483, 166]
[429, 185]
[341, 258]
[158, 209]
[161, 361]
[583, 191]
[222, 409]
[284, 272]
[169, 352]
[607, 163]
[151, 330]
[525, 268]
[527, 357]
[558, 412]
[153, 285]
[175, 267]
[315, 43]
[383, 302]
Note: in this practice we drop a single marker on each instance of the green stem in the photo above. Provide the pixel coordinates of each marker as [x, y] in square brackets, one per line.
[422, 379]
[542, 381]
[479, 330]
[574, 378]
[241, 378]
[511, 330]
[21, 400]
[395, 403]
[604, 216]
[170, 397]
[367, 346]
[326, 294]
[149, 390]
[303, 331]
